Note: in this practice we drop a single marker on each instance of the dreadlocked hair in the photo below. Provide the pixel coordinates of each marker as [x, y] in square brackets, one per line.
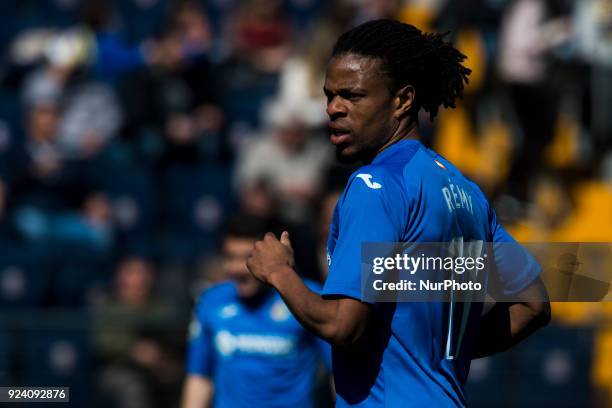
[411, 57]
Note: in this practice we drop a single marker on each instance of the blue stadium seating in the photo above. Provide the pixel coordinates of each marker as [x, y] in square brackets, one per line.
[6, 353]
[488, 379]
[58, 358]
[75, 278]
[142, 18]
[554, 369]
[246, 92]
[196, 201]
[549, 369]
[24, 274]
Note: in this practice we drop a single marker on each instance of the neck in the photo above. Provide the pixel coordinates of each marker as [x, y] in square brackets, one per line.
[256, 300]
[408, 129]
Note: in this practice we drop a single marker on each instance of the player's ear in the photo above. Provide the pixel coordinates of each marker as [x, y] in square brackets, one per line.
[404, 101]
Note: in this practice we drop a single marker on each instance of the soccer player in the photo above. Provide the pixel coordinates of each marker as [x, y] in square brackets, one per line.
[246, 349]
[380, 75]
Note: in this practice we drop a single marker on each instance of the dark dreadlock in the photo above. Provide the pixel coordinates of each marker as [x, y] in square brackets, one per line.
[411, 57]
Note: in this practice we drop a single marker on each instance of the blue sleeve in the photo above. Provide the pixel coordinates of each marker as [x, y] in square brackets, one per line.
[200, 353]
[516, 267]
[364, 216]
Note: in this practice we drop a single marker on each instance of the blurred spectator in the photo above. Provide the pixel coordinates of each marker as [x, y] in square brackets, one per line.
[48, 191]
[41, 126]
[193, 26]
[290, 162]
[376, 9]
[90, 120]
[90, 114]
[529, 30]
[261, 33]
[177, 97]
[592, 22]
[302, 76]
[68, 121]
[114, 56]
[133, 353]
[592, 25]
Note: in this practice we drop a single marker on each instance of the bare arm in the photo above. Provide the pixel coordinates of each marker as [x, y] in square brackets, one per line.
[197, 392]
[506, 324]
[339, 321]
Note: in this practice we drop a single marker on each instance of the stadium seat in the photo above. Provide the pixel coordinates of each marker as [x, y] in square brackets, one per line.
[131, 194]
[60, 358]
[24, 275]
[74, 280]
[554, 369]
[142, 18]
[245, 95]
[551, 369]
[488, 380]
[196, 202]
[304, 12]
[592, 219]
[6, 353]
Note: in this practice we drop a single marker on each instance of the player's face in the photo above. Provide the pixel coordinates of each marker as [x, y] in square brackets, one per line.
[235, 253]
[359, 105]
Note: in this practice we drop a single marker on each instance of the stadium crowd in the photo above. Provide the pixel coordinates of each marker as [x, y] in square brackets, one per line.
[131, 130]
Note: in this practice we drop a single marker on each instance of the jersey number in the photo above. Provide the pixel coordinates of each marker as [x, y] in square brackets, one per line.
[459, 312]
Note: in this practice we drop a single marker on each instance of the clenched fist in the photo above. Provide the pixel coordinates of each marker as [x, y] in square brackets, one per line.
[270, 255]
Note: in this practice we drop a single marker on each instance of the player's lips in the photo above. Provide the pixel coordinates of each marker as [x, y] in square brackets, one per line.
[338, 139]
[338, 134]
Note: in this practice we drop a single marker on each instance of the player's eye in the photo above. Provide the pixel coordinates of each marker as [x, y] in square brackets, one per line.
[328, 95]
[351, 96]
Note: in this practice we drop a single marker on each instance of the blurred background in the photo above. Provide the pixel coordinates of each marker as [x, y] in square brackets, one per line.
[130, 130]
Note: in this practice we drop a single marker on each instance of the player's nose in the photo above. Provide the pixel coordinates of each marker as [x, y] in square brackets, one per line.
[335, 108]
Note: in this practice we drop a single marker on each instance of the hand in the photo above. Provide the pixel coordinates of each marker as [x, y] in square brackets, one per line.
[270, 255]
[147, 353]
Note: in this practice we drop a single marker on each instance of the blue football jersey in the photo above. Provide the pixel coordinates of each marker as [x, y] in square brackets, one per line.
[256, 357]
[411, 194]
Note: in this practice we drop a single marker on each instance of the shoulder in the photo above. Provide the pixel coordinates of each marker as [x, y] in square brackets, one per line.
[483, 201]
[371, 177]
[215, 296]
[375, 184]
[374, 191]
[476, 188]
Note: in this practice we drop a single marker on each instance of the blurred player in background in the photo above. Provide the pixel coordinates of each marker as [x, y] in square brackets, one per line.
[246, 349]
[381, 75]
